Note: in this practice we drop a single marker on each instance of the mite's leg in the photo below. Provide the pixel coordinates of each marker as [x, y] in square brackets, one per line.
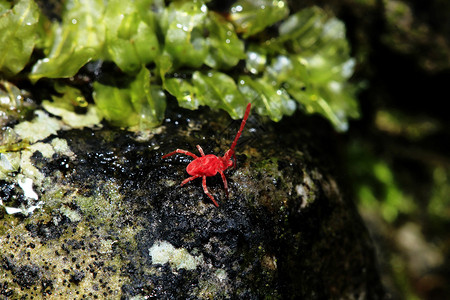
[224, 182]
[205, 189]
[181, 152]
[189, 179]
[200, 150]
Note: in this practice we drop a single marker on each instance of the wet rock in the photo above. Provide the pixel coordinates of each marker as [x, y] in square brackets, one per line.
[116, 223]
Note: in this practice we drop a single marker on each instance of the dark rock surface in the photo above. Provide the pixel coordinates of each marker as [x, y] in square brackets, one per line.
[116, 224]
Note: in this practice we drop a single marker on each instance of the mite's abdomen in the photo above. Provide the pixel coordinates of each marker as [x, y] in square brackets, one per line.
[207, 165]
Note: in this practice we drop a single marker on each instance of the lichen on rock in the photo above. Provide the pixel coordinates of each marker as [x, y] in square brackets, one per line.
[115, 222]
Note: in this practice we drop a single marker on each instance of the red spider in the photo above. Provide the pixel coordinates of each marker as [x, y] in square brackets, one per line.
[209, 165]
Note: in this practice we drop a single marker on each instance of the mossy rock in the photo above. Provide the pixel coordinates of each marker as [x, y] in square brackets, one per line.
[114, 222]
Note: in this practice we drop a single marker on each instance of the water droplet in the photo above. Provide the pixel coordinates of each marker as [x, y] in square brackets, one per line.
[348, 67]
[335, 86]
[236, 9]
[229, 98]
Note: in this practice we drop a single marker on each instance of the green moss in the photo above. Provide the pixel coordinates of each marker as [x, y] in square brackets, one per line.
[296, 59]
[18, 25]
[439, 204]
[103, 204]
[377, 187]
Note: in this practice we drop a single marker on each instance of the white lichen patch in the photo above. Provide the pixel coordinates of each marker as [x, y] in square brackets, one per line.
[106, 246]
[11, 210]
[26, 166]
[163, 252]
[307, 190]
[9, 163]
[28, 169]
[221, 274]
[301, 190]
[24, 210]
[61, 147]
[148, 134]
[73, 215]
[39, 128]
[45, 149]
[17, 166]
[12, 162]
[27, 186]
[90, 119]
[57, 145]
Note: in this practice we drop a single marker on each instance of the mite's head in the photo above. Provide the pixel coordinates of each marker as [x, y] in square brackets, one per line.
[227, 161]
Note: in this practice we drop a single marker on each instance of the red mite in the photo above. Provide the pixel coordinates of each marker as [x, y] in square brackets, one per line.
[209, 165]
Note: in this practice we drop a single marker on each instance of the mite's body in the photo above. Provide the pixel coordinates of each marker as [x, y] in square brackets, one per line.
[209, 165]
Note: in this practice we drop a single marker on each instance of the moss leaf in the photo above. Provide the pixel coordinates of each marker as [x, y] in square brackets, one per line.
[218, 90]
[183, 25]
[130, 34]
[316, 70]
[63, 65]
[76, 41]
[138, 104]
[215, 89]
[226, 49]
[253, 16]
[267, 98]
[184, 91]
[18, 27]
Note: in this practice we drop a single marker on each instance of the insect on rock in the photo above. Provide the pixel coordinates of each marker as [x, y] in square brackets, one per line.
[209, 165]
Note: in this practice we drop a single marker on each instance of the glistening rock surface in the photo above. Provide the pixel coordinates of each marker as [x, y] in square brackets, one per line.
[112, 220]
